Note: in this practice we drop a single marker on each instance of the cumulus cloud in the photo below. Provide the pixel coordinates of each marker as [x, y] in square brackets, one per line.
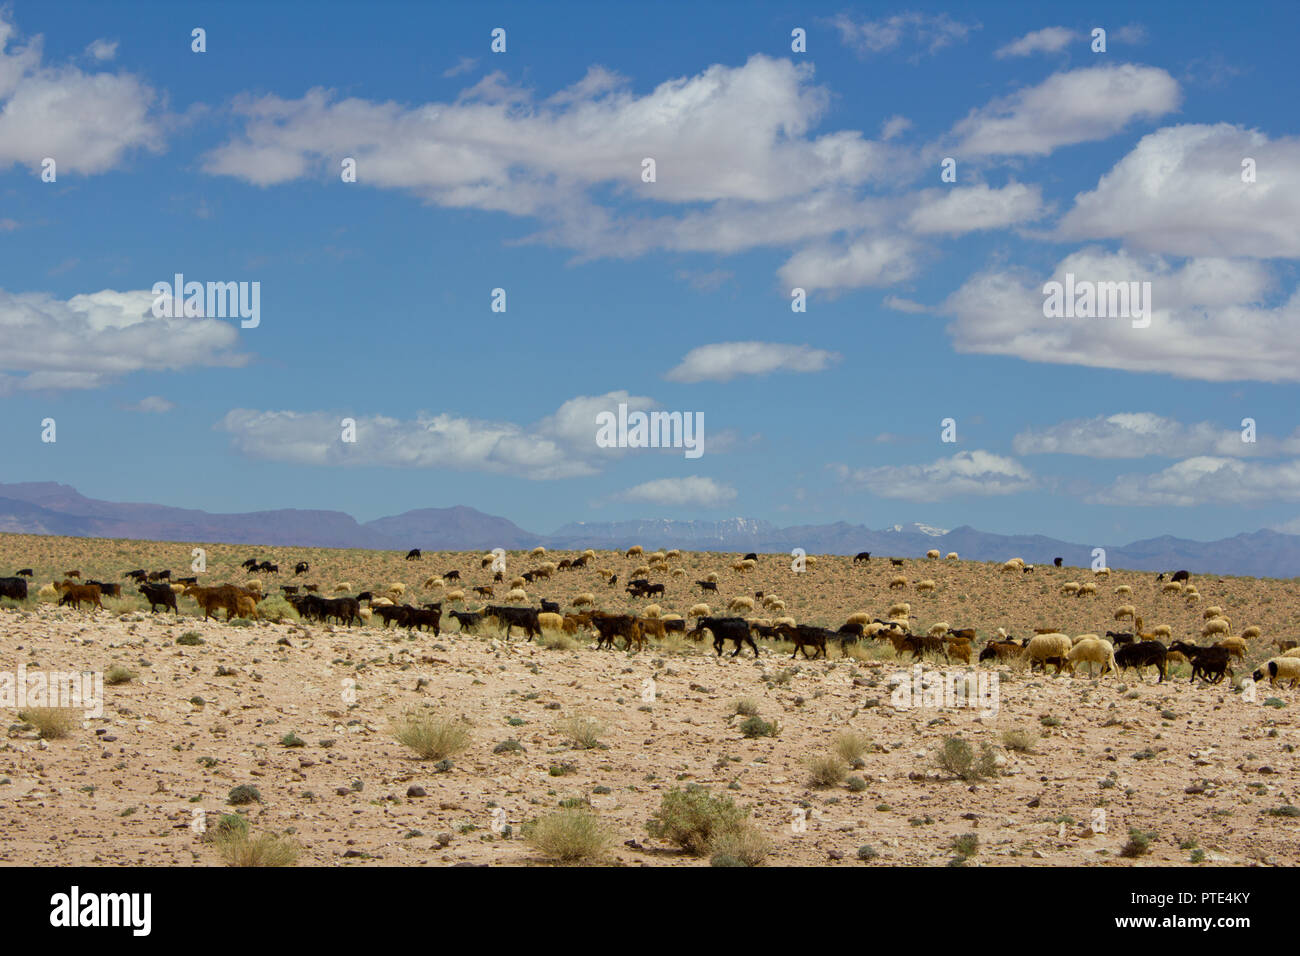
[559, 445]
[1207, 480]
[1076, 106]
[102, 49]
[91, 340]
[1210, 319]
[1046, 40]
[1145, 434]
[1179, 191]
[933, 32]
[723, 361]
[867, 261]
[965, 473]
[86, 122]
[692, 491]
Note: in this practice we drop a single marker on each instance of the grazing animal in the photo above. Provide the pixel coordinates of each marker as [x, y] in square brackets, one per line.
[1000, 649]
[804, 636]
[723, 629]
[15, 588]
[863, 557]
[707, 586]
[1091, 649]
[1142, 654]
[1056, 562]
[159, 595]
[451, 576]
[897, 582]
[610, 626]
[74, 594]
[895, 562]
[512, 617]
[1210, 662]
[413, 554]
[1279, 669]
[1045, 649]
[27, 572]
[1180, 576]
[468, 620]
[302, 567]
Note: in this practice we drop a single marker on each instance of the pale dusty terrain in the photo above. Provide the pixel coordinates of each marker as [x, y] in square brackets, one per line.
[122, 789]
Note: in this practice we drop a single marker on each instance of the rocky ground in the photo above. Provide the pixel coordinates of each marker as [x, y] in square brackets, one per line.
[1200, 768]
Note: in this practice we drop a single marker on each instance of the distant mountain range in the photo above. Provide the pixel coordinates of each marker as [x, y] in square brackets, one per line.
[54, 509]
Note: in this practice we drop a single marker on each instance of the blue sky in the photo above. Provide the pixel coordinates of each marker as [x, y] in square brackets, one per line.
[774, 169]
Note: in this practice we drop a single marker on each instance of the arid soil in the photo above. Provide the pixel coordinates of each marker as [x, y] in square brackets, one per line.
[1201, 767]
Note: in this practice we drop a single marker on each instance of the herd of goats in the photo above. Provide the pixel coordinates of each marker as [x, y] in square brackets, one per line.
[1115, 652]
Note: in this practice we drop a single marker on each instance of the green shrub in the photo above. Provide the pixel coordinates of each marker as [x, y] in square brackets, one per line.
[569, 835]
[693, 818]
[431, 736]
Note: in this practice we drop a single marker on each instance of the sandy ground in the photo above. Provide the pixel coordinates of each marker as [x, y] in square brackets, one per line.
[1198, 766]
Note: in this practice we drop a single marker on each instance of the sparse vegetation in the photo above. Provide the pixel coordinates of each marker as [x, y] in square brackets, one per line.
[432, 737]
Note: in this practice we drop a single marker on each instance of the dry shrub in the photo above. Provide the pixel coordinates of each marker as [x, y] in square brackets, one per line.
[570, 836]
[431, 736]
[51, 723]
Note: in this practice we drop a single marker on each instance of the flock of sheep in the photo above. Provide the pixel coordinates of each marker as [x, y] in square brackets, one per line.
[1112, 652]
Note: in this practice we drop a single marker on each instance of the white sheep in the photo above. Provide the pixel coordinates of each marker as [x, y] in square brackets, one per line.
[898, 581]
[926, 586]
[711, 577]
[698, 610]
[550, 621]
[1087, 588]
[454, 595]
[517, 596]
[651, 610]
[777, 605]
[1279, 669]
[1044, 647]
[433, 582]
[741, 604]
[342, 586]
[901, 609]
[1216, 625]
[537, 552]
[1102, 572]
[1123, 589]
[1210, 612]
[1172, 587]
[1091, 649]
[932, 554]
[1070, 587]
[1250, 633]
[938, 629]
[634, 551]
[1125, 610]
[951, 556]
[859, 617]
[586, 597]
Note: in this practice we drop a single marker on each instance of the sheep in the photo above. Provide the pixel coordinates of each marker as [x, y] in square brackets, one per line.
[711, 577]
[586, 597]
[1123, 589]
[1086, 589]
[1101, 572]
[777, 605]
[1018, 562]
[643, 571]
[1169, 587]
[652, 610]
[634, 551]
[951, 556]
[1082, 637]
[1091, 649]
[673, 555]
[548, 621]
[517, 582]
[537, 552]
[454, 595]
[433, 582]
[343, 587]
[657, 556]
[810, 562]
[381, 602]
[1291, 652]
[1251, 633]
[1210, 612]
[1279, 669]
[741, 604]
[1217, 625]
[859, 617]
[1070, 587]
[679, 572]
[926, 586]
[901, 609]
[1125, 610]
[787, 621]
[1010, 566]
[748, 564]
[1235, 645]
[897, 582]
[699, 610]
[932, 554]
[1043, 648]
[938, 629]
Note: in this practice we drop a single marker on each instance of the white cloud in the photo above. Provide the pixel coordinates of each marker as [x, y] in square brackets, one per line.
[102, 49]
[1206, 480]
[559, 445]
[894, 127]
[1046, 40]
[727, 133]
[866, 261]
[692, 491]
[155, 404]
[963, 209]
[900, 304]
[1143, 434]
[86, 122]
[1206, 321]
[1180, 191]
[965, 473]
[866, 37]
[723, 361]
[1077, 106]
[91, 340]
